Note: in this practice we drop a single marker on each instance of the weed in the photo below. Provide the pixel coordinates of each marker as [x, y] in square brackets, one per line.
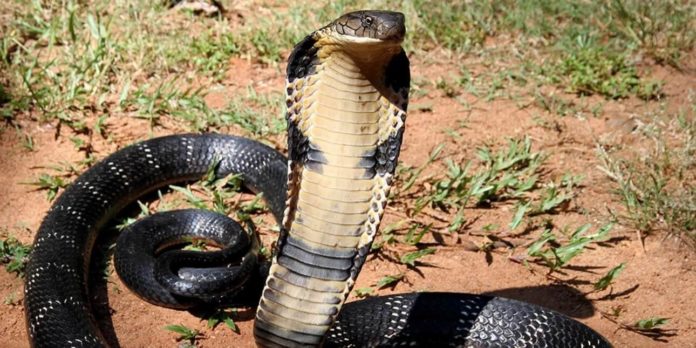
[185, 333]
[414, 234]
[364, 292]
[165, 98]
[608, 279]
[522, 208]
[390, 280]
[26, 140]
[14, 255]
[144, 211]
[411, 258]
[51, 183]
[191, 198]
[508, 173]
[12, 299]
[555, 195]
[386, 281]
[223, 316]
[650, 323]
[555, 257]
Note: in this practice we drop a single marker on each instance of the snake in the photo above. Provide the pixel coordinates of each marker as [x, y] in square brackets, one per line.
[347, 88]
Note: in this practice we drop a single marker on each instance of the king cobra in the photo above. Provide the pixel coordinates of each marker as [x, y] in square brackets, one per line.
[347, 92]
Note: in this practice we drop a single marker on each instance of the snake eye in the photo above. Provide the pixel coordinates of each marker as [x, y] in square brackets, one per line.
[367, 21]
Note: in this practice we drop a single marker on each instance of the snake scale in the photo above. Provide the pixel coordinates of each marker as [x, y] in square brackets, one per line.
[347, 93]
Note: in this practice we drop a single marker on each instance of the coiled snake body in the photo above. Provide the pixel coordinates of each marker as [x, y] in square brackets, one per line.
[347, 91]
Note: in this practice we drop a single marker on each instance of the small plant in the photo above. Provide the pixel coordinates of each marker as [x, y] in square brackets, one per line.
[522, 208]
[212, 52]
[223, 316]
[411, 258]
[191, 198]
[386, 281]
[51, 183]
[609, 278]
[12, 299]
[144, 211]
[364, 292]
[650, 323]
[14, 255]
[26, 140]
[416, 232]
[185, 333]
[555, 257]
[556, 195]
[390, 280]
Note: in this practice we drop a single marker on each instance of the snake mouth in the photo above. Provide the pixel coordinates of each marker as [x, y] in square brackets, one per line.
[375, 27]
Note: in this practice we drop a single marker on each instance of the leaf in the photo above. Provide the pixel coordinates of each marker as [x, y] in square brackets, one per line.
[605, 281]
[190, 197]
[566, 252]
[185, 332]
[230, 323]
[99, 125]
[389, 280]
[551, 199]
[580, 231]
[410, 258]
[213, 321]
[602, 233]
[458, 221]
[651, 323]
[416, 173]
[364, 292]
[534, 249]
[414, 238]
[210, 173]
[519, 215]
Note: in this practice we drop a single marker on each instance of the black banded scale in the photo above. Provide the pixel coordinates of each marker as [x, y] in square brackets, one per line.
[347, 89]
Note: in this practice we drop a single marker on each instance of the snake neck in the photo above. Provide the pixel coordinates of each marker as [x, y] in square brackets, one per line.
[345, 127]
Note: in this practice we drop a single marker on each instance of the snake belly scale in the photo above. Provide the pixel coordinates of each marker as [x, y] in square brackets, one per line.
[347, 92]
[346, 116]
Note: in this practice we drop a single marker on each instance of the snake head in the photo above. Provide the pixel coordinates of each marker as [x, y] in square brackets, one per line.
[370, 27]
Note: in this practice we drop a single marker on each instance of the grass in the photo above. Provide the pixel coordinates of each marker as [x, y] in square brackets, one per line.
[509, 174]
[655, 186]
[577, 48]
[147, 62]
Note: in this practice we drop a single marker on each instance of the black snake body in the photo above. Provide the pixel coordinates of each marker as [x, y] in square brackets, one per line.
[57, 301]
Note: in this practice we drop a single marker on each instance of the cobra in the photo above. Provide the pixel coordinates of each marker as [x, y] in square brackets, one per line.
[347, 93]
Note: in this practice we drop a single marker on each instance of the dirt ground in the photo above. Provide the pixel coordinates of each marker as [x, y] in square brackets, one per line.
[658, 280]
